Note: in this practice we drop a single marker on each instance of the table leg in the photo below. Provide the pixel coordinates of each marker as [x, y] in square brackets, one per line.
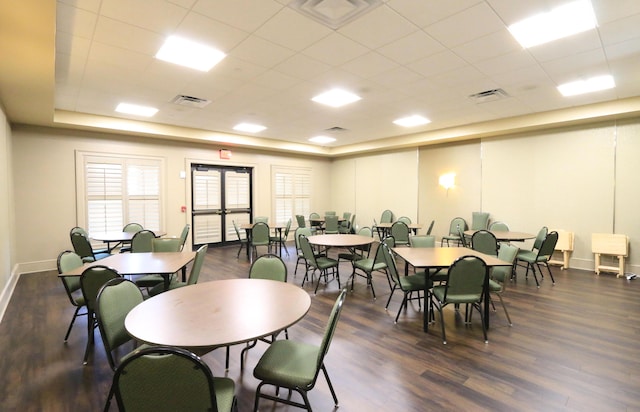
[248, 233]
[486, 301]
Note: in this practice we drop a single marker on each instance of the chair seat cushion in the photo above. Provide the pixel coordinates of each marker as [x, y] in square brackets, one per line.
[439, 291]
[528, 256]
[494, 286]
[287, 363]
[325, 262]
[413, 282]
[148, 281]
[225, 393]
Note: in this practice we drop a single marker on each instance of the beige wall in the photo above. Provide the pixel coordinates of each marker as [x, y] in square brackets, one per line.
[7, 228]
[44, 163]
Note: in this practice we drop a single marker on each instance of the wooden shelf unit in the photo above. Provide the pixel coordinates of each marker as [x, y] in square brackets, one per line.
[613, 245]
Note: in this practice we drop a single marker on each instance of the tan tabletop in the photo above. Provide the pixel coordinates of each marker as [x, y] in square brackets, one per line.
[117, 237]
[387, 226]
[218, 313]
[503, 236]
[340, 240]
[440, 258]
[165, 264]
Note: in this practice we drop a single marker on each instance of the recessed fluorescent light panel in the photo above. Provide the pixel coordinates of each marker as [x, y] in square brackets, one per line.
[322, 139]
[563, 21]
[249, 128]
[412, 121]
[136, 110]
[336, 98]
[190, 54]
[593, 84]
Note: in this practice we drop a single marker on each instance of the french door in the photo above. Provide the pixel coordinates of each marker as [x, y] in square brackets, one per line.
[220, 195]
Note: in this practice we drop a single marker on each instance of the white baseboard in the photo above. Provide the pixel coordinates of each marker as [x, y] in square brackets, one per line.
[30, 267]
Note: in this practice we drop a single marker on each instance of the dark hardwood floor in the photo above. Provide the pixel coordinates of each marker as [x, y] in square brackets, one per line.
[573, 346]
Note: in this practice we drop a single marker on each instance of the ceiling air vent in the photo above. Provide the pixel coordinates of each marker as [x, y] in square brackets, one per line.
[335, 129]
[488, 96]
[190, 101]
[334, 13]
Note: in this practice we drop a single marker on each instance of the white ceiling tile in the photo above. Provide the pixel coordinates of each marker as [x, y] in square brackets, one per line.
[335, 50]
[577, 66]
[211, 32]
[411, 48]
[507, 62]
[425, 13]
[302, 67]
[568, 46]
[438, 63]
[292, 30]
[74, 20]
[116, 33]
[397, 77]
[487, 47]
[89, 5]
[156, 15]
[369, 65]
[261, 52]
[608, 11]
[247, 15]
[477, 21]
[378, 27]
[621, 30]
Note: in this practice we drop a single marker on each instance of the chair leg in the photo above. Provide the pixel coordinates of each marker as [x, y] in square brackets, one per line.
[553, 281]
[484, 328]
[244, 350]
[390, 296]
[73, 319]
[333, 393]
[505, 309]
[90, 337]
[403, 304]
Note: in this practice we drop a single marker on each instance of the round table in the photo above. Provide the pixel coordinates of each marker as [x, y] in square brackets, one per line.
[340, 240]
[218, 313]
[502, 236]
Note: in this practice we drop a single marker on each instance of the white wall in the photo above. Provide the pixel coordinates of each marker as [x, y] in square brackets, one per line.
[7, 228]
[45, 199]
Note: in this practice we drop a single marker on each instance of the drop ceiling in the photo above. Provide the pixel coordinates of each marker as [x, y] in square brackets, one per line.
[403, 57]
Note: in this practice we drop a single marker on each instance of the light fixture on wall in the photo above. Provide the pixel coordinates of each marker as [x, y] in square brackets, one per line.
[447, 180]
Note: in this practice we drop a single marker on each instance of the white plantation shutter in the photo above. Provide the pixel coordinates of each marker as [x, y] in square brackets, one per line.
[115, 190]
[292, 193]
[237, 187]
[206, 190]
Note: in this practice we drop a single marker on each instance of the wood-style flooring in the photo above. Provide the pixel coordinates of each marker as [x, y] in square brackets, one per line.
[573, 346]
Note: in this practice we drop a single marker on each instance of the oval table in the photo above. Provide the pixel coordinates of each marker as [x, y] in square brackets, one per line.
[207, 315]
[340, 240]
[504, 236]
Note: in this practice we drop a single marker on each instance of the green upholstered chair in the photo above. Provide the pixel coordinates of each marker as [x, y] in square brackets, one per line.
[366, 266]
[260, 237]
[280, 241]
[242, 240]
[263, 219]
[115, 300]
[318, 226]
[91, 281]
[86, 234]
[500, 275]
[331, 226]
[537, 258]
[407, 284]
[485, 242]
[166, 244]
[269, 267]
[168, 379]
[400, 232]
[479, 220]
[457, 225]
[405, 219]
[130, 228]
[323, 264]
[465, 284]
[499, 227]
[385, 217]
[300, 221]
[422, 241]
[143, 242]
[300, 256]
[296, 365]
[194, 274]
[330, 213]
[358, 252]
[347, 225]
[184, 235]
[430, 228]
[67, 261]
[540, 237]
[82, 247]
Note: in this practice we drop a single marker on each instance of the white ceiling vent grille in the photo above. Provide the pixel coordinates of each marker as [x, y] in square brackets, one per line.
[336, 129]
[488, 96]
[190, 101]
[334, 13]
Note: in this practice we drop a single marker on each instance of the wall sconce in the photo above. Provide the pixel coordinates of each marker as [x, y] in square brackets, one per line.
[447, 180]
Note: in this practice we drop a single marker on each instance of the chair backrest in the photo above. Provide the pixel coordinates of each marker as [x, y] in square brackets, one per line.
[457, 224]
[79, 229]
[301, 231]
[365, 231]
[263, 219]
[331, 224]
[92, 279]
[479, 220]
[184, 234]
[386, 216]
[115, 300]
[68, 260]
[196, 268]
[507, 253]
[499, 226]
[547, 247]
[166, 244]
[346, 216]
[82, 246]
[485, 242]
[237, 229]
[389, 259]
[132, 227]
[540, 237]
[164, 379]
[330, 213]
[287, 228]
[430, 227]
[307, 251]
[466, 279]
[422, 241]
[389, 241]
[270, 267]
[400, 231]
[404, 219]
[314, 215]
[463, 238]
[300, 220]
[142, 241]
[330, 330]
[260, 234]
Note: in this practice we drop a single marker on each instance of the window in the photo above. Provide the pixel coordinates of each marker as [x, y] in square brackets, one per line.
[115, 190]
[292, 193]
